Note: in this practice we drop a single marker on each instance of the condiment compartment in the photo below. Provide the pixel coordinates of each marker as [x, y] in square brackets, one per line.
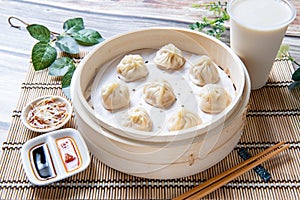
[54, 156]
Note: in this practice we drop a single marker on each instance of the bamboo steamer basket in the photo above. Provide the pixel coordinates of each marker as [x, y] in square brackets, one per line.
[184, 39]
[180, 159]
[169, 155]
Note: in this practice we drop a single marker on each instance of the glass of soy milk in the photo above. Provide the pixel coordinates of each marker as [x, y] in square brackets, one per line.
[257, 28]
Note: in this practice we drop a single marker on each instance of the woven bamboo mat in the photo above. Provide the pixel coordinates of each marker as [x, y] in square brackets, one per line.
[274, 116]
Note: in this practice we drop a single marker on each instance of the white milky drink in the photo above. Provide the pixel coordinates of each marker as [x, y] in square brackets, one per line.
[257, 28]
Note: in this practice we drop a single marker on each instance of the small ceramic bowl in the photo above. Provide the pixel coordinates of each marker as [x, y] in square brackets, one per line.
[42, 115]
[54, 156]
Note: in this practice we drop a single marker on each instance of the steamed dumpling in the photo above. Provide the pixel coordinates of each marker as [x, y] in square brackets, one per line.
[115, 96]
[169, 57]
[159, 94]
[183, 119]
[132, 67]
[139, 119]
[204, 71]
[214, 99]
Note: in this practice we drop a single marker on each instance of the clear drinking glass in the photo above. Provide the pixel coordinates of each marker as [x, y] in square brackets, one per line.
[257, 29]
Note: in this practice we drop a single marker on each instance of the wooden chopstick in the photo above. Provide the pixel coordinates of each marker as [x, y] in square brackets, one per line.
[225, 177]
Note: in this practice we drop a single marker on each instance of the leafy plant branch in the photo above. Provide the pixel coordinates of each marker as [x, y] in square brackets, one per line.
[214, 27]
[283, 53]
[44, 52]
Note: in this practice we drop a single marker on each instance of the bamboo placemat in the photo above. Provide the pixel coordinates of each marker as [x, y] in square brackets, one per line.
[273, 116]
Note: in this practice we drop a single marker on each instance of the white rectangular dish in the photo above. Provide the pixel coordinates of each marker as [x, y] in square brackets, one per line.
[54, 156]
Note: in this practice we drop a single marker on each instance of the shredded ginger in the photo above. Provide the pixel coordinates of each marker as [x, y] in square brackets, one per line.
[47, 113]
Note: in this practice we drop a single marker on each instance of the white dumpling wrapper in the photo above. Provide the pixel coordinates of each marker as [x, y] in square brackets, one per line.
[132, 67]
[204, 71]
[138, 119]
[159, 94]
[214, 99]
[183, 119]
[115, 96]
[169, 57]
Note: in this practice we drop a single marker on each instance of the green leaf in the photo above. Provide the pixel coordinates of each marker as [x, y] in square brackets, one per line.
[67, 44]
[73, 25]
[67, 91]
[87, 37]
[43, 55]
[294, 85]
[39, 32]
[296, 75]
[66, 80]
[283, 51]
[61, 66]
